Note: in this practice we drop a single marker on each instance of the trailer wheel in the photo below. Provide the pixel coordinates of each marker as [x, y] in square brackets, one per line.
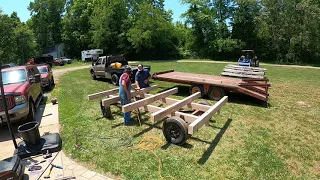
[216, 93]
[196, 88]
[106, 111]
[115, 79]
[175, 130]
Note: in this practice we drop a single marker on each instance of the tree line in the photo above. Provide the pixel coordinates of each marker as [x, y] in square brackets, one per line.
[285, 31]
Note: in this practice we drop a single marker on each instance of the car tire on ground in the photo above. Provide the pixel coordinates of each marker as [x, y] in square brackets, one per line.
[115, 79]
[175, 130]
[194, 88]
[93, 75]
[216, 93]
[31, 115]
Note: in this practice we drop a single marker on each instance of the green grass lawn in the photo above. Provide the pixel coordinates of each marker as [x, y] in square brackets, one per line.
[246, 141]
[74, 63]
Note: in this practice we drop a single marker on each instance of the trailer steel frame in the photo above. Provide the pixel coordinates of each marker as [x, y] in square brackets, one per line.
[178, 126]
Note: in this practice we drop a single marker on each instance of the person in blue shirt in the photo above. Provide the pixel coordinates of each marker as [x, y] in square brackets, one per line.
[142, 77]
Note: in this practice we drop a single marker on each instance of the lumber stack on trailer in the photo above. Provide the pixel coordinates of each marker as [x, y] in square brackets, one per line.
[243, 71]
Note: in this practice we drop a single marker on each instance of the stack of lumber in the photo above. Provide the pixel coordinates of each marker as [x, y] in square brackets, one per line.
[243, 71]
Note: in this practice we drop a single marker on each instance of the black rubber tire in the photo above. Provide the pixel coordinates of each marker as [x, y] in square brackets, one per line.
[52, 82]
[257, 63]
[196, 88]
[93, 76]
[115, 79]
[175, 130]
[106, 111]
[216, 93]
[32, 113]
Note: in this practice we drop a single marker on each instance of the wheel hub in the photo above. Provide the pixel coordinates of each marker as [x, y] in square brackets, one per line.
[174, 131]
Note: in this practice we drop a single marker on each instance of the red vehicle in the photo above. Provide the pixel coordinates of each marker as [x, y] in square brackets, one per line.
[58, 62]
[23, 92]
[46, 75]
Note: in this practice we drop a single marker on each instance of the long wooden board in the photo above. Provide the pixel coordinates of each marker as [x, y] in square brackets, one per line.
[148, 100]
[204, 118]
[113, 100]
[195, 106]
[189, 118]
[174, 107]
[261, 73]
[105, 93]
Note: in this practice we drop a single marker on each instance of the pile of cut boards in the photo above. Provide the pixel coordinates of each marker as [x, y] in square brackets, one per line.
[243, 71]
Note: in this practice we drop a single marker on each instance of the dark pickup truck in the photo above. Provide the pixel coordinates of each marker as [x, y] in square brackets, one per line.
[103, 68]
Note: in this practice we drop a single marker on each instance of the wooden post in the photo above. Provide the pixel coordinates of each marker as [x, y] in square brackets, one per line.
[204, 118]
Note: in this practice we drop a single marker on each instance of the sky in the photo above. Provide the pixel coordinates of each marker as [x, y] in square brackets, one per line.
[20, 6]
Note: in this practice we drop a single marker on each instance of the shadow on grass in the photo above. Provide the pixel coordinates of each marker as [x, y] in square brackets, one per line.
[214, 143]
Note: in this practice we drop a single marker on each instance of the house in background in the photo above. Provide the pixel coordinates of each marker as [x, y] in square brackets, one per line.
[56, 51]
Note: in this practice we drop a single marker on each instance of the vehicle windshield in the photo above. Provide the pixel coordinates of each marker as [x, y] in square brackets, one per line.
[14, 76]
[43, 70]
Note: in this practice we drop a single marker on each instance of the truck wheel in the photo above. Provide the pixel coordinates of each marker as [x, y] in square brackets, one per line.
[216, 93]
[115, 79]
[196, 88]
[106, 111]
[31, 114]
[175, 130]
[52, 82]
[93, 75]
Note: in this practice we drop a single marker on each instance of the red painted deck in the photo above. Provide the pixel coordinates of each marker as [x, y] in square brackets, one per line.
[257, 88]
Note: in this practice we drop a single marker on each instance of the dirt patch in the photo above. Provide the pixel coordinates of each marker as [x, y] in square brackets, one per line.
[303, 104]
[294, 166]
[316, 168]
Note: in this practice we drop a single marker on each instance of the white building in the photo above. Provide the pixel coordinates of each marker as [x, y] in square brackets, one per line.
[91, 55]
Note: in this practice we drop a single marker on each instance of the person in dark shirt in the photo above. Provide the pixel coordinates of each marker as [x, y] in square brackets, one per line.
[142, 77]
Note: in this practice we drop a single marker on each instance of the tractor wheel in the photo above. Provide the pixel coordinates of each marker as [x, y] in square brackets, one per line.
[175, 130]
[257, 63]
[106, 111]
[216, 93]
[196, 88]
[115, 79]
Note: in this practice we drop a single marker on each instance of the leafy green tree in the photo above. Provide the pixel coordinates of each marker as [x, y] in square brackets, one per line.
[46, 17]
[76, 26]
[152, 33]
[107, 21]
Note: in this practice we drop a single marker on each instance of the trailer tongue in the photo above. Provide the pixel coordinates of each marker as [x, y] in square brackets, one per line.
[215, 86]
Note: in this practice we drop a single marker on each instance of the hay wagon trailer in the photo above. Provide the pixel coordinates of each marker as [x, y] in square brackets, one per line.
[215, 86]
[178, 125]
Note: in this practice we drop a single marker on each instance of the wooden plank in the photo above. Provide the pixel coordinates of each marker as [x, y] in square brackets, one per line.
[253, 93]
[204, 118]
[173, 107]
[189, 118]
[103, 94]
[241, 75]
[143, 102]
[195, 106]
[112, 100]
[254, 84]
[244, 72]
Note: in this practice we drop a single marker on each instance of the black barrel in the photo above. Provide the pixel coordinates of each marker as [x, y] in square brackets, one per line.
[30, 133]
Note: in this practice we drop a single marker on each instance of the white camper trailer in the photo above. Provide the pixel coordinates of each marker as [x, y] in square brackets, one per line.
[91, 55]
